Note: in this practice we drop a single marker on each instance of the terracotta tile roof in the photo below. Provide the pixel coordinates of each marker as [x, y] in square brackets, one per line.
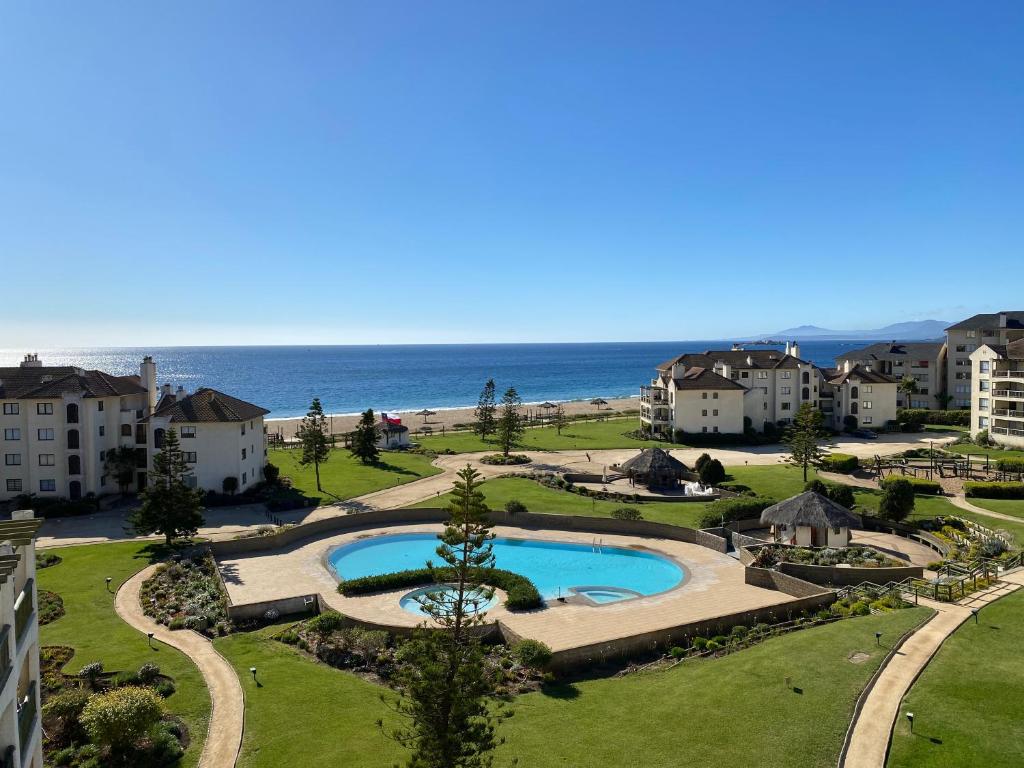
[208, 405]
[56, 381]
[702, 378]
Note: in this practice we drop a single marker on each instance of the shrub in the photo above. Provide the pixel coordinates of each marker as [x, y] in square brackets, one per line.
[703, 459]
[712, 645]
[1010, 465]
[897, 499]
[515, 507]
[994, 490]
[712, 472]
[961, 418]
[121, 717]
[860, 608]
[729, 510]
[627, 513]
[271, 473]
[920, 485]
[326, 623]
[992, 548]
[91, 672]
[837, 492]
[522, 594]
[165, 688]
[676, 652]
[532, 654]
[66, 708]
[840, 462]
[501, 459]
[148, 672]
[739, 632]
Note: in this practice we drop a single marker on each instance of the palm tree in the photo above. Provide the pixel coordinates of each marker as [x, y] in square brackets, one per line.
[907, 387]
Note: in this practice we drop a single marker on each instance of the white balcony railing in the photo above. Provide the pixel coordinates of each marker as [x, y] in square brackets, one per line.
[1008, 412]
[1013, 394]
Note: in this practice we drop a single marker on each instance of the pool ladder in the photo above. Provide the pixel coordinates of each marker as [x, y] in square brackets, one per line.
[595, 546]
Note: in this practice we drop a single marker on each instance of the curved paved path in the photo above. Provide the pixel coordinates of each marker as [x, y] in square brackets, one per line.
[224, 736]
[873, 724]
[961, 501]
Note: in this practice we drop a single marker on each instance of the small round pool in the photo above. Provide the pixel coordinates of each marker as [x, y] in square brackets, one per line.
[412, 601]
[557, 568]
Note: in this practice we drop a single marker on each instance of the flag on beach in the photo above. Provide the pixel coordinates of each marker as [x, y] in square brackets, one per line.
[391, 420]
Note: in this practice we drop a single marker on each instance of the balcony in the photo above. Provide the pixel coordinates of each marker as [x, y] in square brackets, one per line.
[1009, 412]
[1012, 394]
[27, 716]
[24, 607]
[1007, 431]
[1008, 373]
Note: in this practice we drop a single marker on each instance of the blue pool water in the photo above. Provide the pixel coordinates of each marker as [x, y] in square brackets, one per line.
[411, 601]
[556, 568]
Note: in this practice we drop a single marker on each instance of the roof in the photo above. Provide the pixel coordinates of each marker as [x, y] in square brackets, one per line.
[207, 405]
[979, 322]
[47, 382]
[652, 460]
[737, 358]
[1014, 350]
[390, 428]
[703, 378]
[810, 508]
[862, 373]
[886, 350]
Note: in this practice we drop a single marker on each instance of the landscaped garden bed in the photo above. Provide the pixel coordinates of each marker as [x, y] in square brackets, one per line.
[501, 460]
[855, 556]
[51, 606]
[521, 593]
[187, 593]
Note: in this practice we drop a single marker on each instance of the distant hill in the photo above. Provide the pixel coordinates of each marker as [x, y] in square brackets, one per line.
[916, 330]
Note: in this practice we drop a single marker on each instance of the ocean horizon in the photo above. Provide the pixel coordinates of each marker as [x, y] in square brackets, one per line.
[348, 379]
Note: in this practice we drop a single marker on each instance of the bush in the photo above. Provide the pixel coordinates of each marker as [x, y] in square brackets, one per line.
[1010, 465]
[837, 492]
[994, 490]
[326, 623]
[121, 717]
[840, 462]
[515, 507]
[532, 654]
[920, 485]
[271, 473]
[522, 594]
[703, 459]
[91, 672]
[897, 499]
[229, 485]
[729, 510]
[992, 548]
[627, 513]
[148, 672]
[711, 472]
[961, 418]
[700, 643]
[501, 459]
[65, 708]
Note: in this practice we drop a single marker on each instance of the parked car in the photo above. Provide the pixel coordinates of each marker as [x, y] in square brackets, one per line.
[867, 434]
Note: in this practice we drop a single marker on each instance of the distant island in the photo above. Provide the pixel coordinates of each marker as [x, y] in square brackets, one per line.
[912, 331]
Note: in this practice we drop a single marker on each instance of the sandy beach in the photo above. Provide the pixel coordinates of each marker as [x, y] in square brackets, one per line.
[449, 417]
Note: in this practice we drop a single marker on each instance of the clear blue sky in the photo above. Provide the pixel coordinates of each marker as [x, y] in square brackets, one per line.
[414, 172]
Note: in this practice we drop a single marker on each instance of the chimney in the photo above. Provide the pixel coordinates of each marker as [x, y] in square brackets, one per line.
[1002, 319]
[750, 360]
[31, 361]
[165, 389]
[147, 373]
[846, 365]
[795, 350]
[678, 369]
[787, 348]
[181, 394]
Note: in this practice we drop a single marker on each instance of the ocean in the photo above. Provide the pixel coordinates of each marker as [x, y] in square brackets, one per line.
[349, 379]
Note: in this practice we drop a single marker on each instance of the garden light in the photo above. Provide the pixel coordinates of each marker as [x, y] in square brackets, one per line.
[910, 719]
[878, 638]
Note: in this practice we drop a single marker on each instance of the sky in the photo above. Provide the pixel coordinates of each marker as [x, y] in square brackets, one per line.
[407, 172]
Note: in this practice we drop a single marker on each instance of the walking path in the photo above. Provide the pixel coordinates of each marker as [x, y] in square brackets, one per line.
[961, 501]
[873, 724]
[224, 736]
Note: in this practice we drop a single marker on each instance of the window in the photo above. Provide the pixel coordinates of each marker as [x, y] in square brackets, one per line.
[243, 428]
[805, 394]
[103, 480]
[126, 430]
[744, 374]
[704, 412]
[188, 432]
[72, 413]
[983, 385]
[14, 486]
[714, 396]
[12, 459]
[45, 434]
[971, 335]
[158, 437]
[983, 366]
[703, 395]
[99, 406]
[922, 363]
[74, 465]
[47, 486]
[787, 374]
[867, 389]
[245, 478]
[703, 429]
[983, 403]
[866, 420]
[244, 451]
[854, 393]
[72, 439]
[11, 409]
[12, 434]
[714, 412]
[103, 456]
[787, 390]
[190, 457]
[44, 409]
[762, 374]
[961, 347]
[103, 431]
[46, 459]
[714, 429]
[982, 421]
[867, 405]
[785, 406]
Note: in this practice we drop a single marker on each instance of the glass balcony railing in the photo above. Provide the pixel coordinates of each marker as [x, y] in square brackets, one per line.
[23, 610]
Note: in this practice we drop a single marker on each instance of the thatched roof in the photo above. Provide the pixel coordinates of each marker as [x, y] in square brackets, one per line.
[812, 509]
[652, 460]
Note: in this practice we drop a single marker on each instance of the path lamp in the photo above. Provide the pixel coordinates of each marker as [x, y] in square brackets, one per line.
[253, 671]
[878, 639]
[149, 635]
[974, 613]
[910, 719]
[108, 580]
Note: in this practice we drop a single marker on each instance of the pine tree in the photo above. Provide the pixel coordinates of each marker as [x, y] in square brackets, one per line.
[510, 422]
[485, 410]
[445, 688]
[312, 434]
[169, 506]
[364, 439]
[802, 438]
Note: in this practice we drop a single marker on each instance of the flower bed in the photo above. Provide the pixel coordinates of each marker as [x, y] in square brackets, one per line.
[51, 607]
[501, 460]
[187, 594]
[860, 557]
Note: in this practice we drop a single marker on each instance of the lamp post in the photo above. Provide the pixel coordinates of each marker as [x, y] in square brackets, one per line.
[253, 671]
[974, 613]
[108, 580]
[149, 635]
[910, 719]
[878, 639]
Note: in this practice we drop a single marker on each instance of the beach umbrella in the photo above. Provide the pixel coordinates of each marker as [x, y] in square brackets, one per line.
[425, 413]
[547, 406]
[598, 402]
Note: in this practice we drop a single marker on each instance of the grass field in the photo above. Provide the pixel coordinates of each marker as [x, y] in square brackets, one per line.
[583, 435]
[967, 704]
[94, 630]
[730, 711]
[1013, 507]
[344, 476]
[980, 451]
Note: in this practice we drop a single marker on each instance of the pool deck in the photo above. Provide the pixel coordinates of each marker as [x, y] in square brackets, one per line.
[715, 587]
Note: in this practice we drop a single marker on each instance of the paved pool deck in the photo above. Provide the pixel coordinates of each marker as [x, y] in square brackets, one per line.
[715, 587]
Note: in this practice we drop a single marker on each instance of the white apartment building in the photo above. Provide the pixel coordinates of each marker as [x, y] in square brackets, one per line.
[862, 397]
[716, 390]
[997, 396]
[923, 361]
[58, 424]
[21, 736]
[963, 338]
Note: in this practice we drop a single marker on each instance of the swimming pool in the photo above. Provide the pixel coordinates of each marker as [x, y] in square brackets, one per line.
[556, 568]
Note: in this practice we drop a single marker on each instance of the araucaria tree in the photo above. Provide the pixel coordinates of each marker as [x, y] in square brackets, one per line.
[802, 438]
[169, 505]
[445, 690]
[510, 421]
[316, 448]
[485, 410]
[364, 439]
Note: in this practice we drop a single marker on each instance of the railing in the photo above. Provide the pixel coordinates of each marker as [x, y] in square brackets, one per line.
[1014, 393]
[1011, 412]
[1007, 431]
[23, 610]
[1015, 374]
[5, 654]
[27, 716]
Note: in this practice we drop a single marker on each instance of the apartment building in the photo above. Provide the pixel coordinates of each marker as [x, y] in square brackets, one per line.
[997, 394]
[861, 397]
[21, 739]
[963, 338]
[58, 425]
[924, 362]
[717, 390]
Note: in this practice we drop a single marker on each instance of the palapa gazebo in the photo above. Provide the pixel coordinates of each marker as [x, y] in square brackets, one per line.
[810, 520]
[654, 468]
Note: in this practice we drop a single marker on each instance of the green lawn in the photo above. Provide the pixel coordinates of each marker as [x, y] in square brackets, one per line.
[980, 451]
[945, 428]
[94, 630]
[1014, 507]
[967, 704]
[731, 711]
[779, 481]
[584, 435]
[344, 476]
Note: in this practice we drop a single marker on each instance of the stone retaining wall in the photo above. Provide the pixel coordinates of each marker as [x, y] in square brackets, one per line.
[847, 577]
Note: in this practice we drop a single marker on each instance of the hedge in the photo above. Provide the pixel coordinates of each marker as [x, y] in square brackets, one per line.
[729, 510]
[958, 418]
[994, 490]
[1010, 465]
[522, 594]
[926, 487]
[840, 494]
[840, 462]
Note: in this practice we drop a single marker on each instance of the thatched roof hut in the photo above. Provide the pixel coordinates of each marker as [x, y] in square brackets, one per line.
[811, 519]
[654, 468]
